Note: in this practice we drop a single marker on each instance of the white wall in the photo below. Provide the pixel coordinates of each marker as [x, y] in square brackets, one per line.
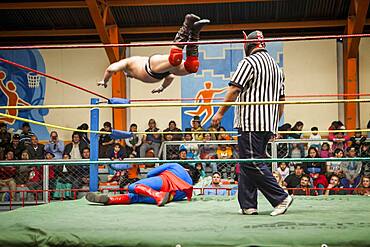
[83, 67]
[311, 68]
[364, 78]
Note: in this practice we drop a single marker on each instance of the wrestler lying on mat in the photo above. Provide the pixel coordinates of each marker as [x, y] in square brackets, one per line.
[165, 183]
[158, 67]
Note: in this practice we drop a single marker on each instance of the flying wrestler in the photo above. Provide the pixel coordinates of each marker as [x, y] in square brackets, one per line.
[165, 183]
[158, 67]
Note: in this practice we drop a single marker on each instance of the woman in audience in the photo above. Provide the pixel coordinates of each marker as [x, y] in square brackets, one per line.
[364, 187]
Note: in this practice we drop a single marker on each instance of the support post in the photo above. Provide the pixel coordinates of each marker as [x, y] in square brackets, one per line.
[94, 146]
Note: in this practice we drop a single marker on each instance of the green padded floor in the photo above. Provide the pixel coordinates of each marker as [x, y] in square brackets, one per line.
[206, 221]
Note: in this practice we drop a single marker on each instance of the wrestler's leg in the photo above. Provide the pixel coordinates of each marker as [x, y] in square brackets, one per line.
[163, 63]
[192, 63]
[150, 187]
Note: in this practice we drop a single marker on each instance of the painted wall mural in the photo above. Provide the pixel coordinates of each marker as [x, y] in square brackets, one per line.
[21, 87]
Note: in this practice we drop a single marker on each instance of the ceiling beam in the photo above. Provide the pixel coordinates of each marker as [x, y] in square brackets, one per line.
[43, 5]
[355, 24]
[173, 29]
[100, 24]
[126, 3]
[115, 3]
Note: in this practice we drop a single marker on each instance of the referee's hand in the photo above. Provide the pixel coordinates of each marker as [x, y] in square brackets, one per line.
[216, 120]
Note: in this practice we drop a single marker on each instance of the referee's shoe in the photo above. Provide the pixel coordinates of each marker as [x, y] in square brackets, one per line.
[283, 206]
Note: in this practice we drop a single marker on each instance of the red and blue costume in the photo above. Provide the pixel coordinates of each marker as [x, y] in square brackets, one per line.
[168, 182]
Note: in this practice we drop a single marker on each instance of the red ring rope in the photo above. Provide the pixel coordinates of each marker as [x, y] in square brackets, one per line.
[52, 77]
[298, 38]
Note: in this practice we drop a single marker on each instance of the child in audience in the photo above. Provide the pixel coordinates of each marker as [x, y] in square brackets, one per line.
[325, 150]
[315, 138]
[283, 170]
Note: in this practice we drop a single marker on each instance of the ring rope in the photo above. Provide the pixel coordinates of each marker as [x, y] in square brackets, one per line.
[169, 132]
[53, 77]
[297, 38]
[286, 96]
[180, 104]
[74, 162]
[52, 125]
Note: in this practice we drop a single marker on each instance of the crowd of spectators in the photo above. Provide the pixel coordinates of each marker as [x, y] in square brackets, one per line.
[308, 178]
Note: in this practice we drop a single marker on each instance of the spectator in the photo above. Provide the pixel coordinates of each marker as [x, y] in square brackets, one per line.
[364, 187]
[297, 147]
[283, 170]
[368, 127]
[325, 150]
[7, 175]
[351, 170]
[316, 170]
[357, 141]
[105, 141]
[279, 179]
[334, 167]
[84, 172]
[339, 141]
[223, 136]
[200, 169]
[117, 153]
[133, 143]
[26, 134]
[23, 171]
[36, 150]
[213, 128]
[224, 152]
[196, 126]
[55, 146]
[151, 141]
[208, 151]
[5, 138]
[183, 153]
[304, 188]
[172, 128]
[365, 152]
[334, 187]
[74, 149]
[63, 181]
[192, 148]
[16, 146]
[315, 138]
[294, 179]
[83, 135]
[215, 187]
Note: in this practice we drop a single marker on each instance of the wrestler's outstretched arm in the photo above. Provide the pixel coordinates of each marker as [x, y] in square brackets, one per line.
[166, 82]
[114, 67]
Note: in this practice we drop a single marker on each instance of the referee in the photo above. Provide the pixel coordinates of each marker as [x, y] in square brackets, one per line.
[257, 78]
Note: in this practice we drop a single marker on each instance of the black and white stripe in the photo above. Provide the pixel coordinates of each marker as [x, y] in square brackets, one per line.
[260, 79]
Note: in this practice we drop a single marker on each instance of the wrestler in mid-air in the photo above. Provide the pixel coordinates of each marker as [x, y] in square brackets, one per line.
[158, 67]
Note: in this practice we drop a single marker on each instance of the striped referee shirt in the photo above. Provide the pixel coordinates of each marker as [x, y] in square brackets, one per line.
[260, 79]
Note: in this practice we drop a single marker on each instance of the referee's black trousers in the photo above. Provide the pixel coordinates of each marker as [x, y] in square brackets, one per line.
[255, 176]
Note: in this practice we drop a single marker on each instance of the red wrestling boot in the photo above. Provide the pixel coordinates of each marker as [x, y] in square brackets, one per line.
[105, 199]
[192, 63]
[160, 197]
[175, 57]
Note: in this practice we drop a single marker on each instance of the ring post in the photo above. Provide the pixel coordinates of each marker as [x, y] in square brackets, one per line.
[94, 146]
